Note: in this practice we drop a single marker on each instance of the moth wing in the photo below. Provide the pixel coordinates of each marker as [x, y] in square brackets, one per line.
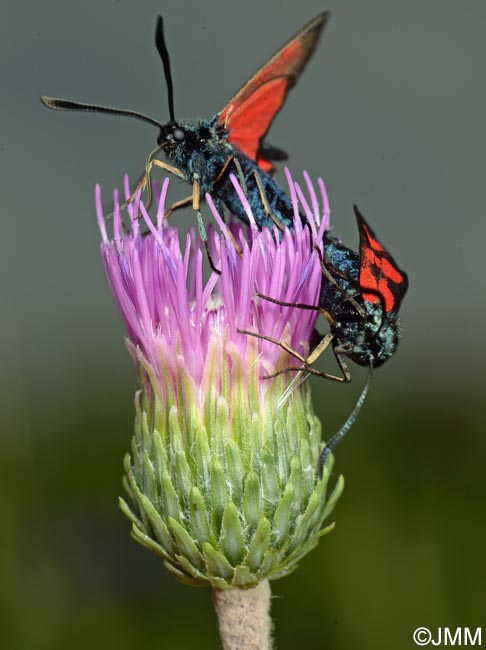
[251, 120]
[378, 271]
[249, 114]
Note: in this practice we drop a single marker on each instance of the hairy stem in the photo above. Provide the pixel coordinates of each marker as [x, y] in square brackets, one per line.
[244, 617]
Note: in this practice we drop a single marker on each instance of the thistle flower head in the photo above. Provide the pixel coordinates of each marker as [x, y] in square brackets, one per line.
[223, 481]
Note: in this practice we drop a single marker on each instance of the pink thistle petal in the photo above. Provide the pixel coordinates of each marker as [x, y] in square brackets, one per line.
[126, 187]
[326, 210]
[176, 319]
[293, 195]
[313, 197]
[305, 205]
[161, 203]
[244, 201]
[99, 215]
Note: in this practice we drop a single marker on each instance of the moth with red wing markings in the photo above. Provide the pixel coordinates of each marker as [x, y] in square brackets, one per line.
[204, 152]
[360, 297]
[361, 294]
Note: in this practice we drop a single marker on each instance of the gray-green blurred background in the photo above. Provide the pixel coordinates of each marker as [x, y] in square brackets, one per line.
[391, 112]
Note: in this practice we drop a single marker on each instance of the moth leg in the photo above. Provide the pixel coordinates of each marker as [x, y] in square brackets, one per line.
[300, 305]
[323, 312]
[345, 378]
[241, 176]
[282, 303]
[310, 370]
[143, 183]
[163, 165]
[224, 169]
[190, 199]
[196, 206]
[178, 204]
[201, 226]
[235, 244]
[281, 344]
[306, 366]
[264, 200]
[155, 162]
[343, 366]
[319, 349]
[140, 184]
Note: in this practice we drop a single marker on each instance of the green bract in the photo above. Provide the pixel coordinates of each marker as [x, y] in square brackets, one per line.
[227, 494]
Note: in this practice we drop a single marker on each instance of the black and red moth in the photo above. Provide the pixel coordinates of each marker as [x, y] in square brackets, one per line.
[360, 297]
[205, 151]
[361, 294]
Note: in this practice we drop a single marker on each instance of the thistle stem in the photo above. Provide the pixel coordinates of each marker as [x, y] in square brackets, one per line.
[244, 617]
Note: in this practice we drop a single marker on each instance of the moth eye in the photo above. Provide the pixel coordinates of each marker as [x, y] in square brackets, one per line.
[179, 135]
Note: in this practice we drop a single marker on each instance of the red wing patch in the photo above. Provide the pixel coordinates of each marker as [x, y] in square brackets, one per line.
[378, 270]
[249, 114]
[251, 120]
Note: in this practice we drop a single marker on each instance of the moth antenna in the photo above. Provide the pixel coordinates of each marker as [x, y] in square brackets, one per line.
[68, 105]
[164, 55]
[339, 435]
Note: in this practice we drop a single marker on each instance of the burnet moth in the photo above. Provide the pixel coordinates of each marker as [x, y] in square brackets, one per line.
[361, 294]
[204, 152]
[360, 297]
